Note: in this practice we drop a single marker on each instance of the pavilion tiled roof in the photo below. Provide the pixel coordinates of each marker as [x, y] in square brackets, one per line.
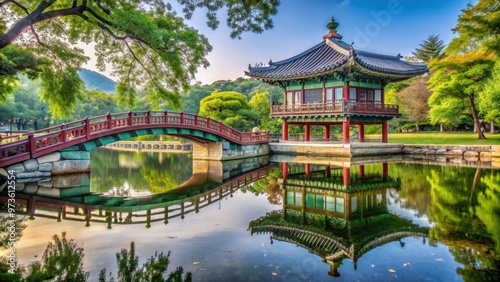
[334, 55]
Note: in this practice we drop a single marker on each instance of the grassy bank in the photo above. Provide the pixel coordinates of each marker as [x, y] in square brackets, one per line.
[443, 138]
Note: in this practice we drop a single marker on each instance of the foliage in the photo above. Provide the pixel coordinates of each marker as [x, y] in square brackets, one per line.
[432, 47]
[489, 103]
[261, 104]
[61, 261]
[191, 99]
[478, 25]
[414, 99]
[24, 109]
[146, 43]
[456, 81]
[231, 108]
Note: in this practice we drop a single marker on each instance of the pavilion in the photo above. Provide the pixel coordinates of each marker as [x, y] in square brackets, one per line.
[333, 83]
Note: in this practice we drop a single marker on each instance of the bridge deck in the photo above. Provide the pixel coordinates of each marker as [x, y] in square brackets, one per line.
[48, 140]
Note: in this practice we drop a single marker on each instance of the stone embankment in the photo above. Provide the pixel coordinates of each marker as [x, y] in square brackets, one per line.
[468, 153]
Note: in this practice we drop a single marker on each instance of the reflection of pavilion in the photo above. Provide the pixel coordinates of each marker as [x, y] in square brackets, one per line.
[78, 204]
[336, 213]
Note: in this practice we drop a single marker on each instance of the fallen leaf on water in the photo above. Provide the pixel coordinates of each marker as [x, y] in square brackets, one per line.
[440, 260]
[274, 273]
[392, 270]
[228, 251]
[406, 264]
[196, 262]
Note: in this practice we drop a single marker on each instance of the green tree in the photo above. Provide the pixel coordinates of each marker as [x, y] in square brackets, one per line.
[191, 99]
[458, 80]
[231, 108]
[432, 47]
[489, 102]
[147, 43]
[262, 106]
[414, 100]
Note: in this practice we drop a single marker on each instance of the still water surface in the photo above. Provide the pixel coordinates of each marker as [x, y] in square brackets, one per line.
[254, 221]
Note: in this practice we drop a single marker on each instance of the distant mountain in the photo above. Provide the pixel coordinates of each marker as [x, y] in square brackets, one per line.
[94, 80]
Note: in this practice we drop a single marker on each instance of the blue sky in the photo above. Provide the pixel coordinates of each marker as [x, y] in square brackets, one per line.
[383, 26]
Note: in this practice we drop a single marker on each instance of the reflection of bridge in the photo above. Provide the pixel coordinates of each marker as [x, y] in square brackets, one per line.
[120, 210]
[97, 131]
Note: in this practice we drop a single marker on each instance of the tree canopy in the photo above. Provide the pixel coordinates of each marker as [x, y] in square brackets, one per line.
[148, 45]
[458, 80]
[432, 47]
[478, 25]
[231, 108]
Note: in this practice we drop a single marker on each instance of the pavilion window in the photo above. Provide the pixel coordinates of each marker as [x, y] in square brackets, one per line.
[362, 95]
[370, 96]
[289, 98]
[338, 93]
[378, 96]
[352, 94]
[297, 98]
[329, 95]
[313, 95]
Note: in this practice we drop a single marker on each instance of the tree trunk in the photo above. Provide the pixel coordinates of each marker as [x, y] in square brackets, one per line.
[480, 134]
[492, 127]
[417, 127]
[441, 128]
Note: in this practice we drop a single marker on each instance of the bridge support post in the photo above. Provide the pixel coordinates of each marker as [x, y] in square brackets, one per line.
[221, 151]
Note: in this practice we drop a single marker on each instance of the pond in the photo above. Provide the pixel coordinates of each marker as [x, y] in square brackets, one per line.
[255, 220]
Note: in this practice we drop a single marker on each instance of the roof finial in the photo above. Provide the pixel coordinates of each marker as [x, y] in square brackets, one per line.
[332, 30]
[332, 25]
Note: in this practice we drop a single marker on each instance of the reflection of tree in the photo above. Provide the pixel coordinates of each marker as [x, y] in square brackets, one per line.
[488, 208]
[268, 185]
[155, 172]
[61, 261]
[153, 270]
[415, 188]
[7, 222]
[469, 228]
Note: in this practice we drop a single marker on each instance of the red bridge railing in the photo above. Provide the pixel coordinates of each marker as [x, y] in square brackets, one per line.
[48, 140]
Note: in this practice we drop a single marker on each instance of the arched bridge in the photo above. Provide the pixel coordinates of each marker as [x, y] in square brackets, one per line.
[98, 131]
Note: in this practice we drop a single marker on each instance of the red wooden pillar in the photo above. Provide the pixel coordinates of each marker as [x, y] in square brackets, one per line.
[385, 170]
[327, 133]
[345, 173]
[384, 132]
[110, 120]
[285, 131]
[345, 92]
[382, 96]
[307, 132]
[345, 130]
[87, 126]
[362, 171]
[284, 168]
[307, 168]
[31, 143]
[328, 170]
[361, 132]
